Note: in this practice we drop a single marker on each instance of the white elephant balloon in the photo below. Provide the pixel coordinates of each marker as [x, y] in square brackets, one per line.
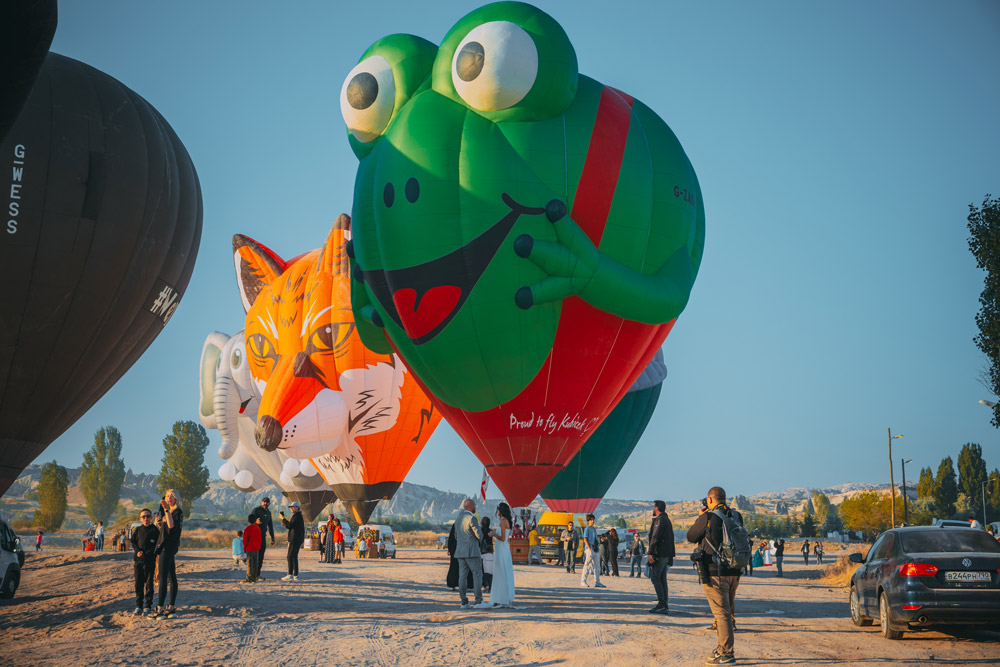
[229, 400]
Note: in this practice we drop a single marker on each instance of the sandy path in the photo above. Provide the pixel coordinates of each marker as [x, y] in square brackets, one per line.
[76, 607]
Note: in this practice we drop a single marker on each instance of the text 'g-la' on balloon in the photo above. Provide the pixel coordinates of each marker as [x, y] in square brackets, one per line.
[581, 486]
[524, 236]
[96, 249]
[357, 415]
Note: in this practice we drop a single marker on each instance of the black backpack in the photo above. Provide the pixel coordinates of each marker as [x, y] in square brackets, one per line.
[734, 552]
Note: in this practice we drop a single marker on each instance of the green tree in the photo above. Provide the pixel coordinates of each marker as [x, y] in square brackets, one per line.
[867, 512]
[52, 491]
[102, 474]
[808, 528]
[922, 511]
[926, 485]
[945, 488]
[971, 475]
[183, 466]
[984, 243]
[833, 523]
[993, 495]
[823, 509]
[621, 522]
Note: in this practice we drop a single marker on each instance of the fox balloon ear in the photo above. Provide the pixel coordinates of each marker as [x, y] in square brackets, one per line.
[334, 258]
[256, 267]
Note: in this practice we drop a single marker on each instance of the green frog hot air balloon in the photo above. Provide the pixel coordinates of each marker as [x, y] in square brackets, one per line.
[580, 487]
[524, 236]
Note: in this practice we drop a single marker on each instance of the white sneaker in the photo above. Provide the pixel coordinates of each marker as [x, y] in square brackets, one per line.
[287, 577]
[585, 584]
[295, 577]
[466, 605]
[483, 605]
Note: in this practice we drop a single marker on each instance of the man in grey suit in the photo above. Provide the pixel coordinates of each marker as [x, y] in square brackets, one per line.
[468, 536]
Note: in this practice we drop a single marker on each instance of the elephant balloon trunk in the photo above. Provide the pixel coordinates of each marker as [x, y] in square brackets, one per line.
[227, 410]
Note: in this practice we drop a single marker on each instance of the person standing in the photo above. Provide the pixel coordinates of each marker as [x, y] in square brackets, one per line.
[169, 520]
[38, 541]
[239, 553]
[818, 550]
[661, 554]
[502, 586]
[636, 551]
[144, 539]
[99, 537]
[329, 540]
[267, 528]
[805, 551]
[296, 536]
[613, 550]
[253, 537]
[718, 581]
[603, 552]
[534, 547]
[568, 541]
[488, 553]
[974, 523]
[590, 547]
[468, 537]
[338, 542]
[779, 554]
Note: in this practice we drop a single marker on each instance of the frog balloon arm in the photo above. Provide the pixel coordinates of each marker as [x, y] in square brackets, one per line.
[366, 318]
[576, 267]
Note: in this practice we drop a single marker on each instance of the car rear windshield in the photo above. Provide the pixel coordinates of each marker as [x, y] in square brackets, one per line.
[931, 541]
[547, 530]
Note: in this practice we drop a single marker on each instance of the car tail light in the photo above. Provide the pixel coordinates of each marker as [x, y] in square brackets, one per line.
[911, 607]
[917, 570]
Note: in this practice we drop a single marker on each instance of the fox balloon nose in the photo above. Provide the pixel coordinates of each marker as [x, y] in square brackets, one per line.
[268, 433]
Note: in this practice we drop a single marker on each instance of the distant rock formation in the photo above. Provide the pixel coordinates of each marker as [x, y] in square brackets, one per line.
[741, 503]
[781, 508]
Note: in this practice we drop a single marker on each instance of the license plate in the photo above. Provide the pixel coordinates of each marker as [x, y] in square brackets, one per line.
[968, 576]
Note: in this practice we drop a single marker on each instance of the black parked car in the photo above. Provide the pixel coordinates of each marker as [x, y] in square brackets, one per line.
[927, 575]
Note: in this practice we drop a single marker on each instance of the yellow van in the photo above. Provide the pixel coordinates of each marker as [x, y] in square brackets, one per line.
[550, 527]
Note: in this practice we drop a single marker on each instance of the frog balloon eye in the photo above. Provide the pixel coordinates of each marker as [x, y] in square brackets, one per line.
[368, 98]
[495, 66]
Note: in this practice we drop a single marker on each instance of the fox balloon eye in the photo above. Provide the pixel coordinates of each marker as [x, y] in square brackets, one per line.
[261, 347]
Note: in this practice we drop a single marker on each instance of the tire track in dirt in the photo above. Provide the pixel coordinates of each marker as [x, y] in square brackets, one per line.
[373, 635]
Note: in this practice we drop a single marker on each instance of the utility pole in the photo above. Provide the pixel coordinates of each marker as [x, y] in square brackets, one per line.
[892, 482]
[902, 464]
[984, 505]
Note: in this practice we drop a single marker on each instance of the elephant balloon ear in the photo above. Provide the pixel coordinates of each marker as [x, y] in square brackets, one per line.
[256, 267]
[334, 258]
[211, 354]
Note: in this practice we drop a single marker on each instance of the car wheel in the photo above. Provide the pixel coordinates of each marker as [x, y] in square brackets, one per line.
[857, 617]
[885, 621]
[10, 583]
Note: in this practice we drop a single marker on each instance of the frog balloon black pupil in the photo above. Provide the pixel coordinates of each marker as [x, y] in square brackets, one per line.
[470, 61]
[362, 90]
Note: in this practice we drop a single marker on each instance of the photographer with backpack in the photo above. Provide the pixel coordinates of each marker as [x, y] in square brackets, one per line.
[722, 553]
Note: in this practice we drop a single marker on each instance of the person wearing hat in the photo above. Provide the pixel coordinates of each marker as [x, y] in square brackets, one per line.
[296, 536]
[266, 526]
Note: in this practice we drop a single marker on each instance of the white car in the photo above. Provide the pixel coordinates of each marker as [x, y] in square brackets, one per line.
[11, 560]
[384, 533]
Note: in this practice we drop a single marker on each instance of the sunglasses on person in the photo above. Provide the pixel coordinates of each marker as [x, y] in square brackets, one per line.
[145, 516]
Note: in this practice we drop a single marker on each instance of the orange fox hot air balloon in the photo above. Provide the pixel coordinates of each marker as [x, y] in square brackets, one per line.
[357, 417]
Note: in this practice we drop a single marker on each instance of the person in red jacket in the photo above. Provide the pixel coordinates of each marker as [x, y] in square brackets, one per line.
[252, 538]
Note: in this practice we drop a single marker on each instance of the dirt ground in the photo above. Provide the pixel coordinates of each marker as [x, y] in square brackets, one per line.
[75, 607]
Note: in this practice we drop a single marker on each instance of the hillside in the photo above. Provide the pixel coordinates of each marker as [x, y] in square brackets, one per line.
[415, 500]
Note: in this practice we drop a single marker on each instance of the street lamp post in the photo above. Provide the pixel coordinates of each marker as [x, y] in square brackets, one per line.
[985, 522]
[892, 482]
[906, 515]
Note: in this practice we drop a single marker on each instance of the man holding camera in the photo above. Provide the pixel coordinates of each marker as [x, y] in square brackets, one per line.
[296, 537]
[718, 580]
[661, 554]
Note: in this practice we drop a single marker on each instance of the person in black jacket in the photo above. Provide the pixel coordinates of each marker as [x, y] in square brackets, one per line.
[718, 581]
[779, 554]
[613, 551]
[144, 539]
[266, 526]
[661, 554]
[170, 520]
[296, 536]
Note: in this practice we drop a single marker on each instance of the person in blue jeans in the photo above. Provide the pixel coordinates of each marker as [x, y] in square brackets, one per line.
[590, 546]
[636, 552]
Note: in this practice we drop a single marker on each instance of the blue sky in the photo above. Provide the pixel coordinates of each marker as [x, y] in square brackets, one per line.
[838, 146]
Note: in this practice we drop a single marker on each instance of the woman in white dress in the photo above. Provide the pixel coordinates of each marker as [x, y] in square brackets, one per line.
[502, 591]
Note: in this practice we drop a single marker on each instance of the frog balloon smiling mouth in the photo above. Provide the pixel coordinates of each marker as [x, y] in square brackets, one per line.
[546, 236]
[423, 299]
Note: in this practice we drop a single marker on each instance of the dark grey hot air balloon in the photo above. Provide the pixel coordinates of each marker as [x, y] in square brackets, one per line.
[26, 31]
[98, 239]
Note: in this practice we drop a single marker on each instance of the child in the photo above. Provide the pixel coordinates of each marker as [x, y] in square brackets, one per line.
[38, 541]
[251, 546]
[239, 555]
